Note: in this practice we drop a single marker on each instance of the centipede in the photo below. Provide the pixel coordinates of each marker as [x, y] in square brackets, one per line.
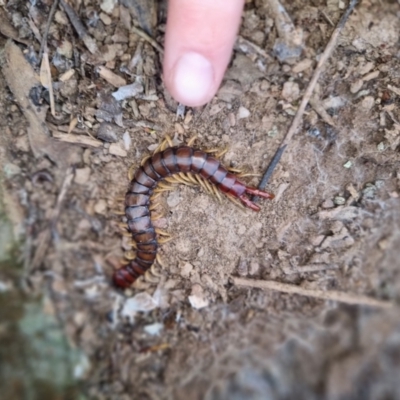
[161, 166]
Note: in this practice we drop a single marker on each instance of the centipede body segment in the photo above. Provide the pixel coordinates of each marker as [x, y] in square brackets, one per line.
[162, 165]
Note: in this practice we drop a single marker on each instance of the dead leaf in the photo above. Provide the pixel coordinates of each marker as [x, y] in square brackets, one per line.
[8, 30]
[14, 66]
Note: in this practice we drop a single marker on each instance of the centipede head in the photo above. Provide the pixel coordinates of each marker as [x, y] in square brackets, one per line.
[255, 192]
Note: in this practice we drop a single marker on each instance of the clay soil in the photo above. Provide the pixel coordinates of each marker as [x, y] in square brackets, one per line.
[188, 332]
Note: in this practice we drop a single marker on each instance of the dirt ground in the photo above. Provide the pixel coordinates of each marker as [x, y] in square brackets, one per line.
[189, 332]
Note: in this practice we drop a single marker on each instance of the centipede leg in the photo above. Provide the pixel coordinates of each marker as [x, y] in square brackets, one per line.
[165, 240]
[192, 140]
[161, 232]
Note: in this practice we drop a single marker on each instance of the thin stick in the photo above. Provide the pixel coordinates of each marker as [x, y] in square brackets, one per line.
[45, 236]
[311, 86]
[47, 29]
[148, 38]
[89, 42]
[332, 295]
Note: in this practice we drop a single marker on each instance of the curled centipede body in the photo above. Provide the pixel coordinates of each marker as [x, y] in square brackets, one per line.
[173, 160]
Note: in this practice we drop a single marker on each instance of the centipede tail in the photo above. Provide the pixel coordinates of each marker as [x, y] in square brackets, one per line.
[173, 160]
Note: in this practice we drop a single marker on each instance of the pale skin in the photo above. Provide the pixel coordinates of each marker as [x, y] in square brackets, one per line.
[199, 39]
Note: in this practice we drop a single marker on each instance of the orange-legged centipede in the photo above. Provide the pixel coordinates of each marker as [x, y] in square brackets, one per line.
[161, 165]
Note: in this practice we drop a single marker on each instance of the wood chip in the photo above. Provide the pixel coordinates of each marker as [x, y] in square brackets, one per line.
[117, 150]
[111, 77]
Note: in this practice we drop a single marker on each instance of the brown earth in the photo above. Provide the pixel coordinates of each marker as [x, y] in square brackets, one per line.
[334, 225]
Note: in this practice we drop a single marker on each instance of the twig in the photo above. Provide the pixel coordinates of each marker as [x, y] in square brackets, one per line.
[310, 88]
[47, 29]
[45, 77]
[90, 43]
[45, 236]
[332, 295]
[245, 45]
[271, 168]
[287, 31]
[148, 38]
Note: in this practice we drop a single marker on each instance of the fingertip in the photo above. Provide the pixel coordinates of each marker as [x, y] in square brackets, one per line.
[192, 79]
[198, 45]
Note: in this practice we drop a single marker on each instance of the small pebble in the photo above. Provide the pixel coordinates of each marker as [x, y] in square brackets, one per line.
[356, 86]
[154, 329]
[339, 200]
[141, 302]
[100, 207]
[108, 5]
[11, 170]
[173, 199]
[82, 175]
[348, 164]
[367, 103]
[381, 146]
[186, 269]
[243, 113]
[126, 137]
[117, 150]
[65, 49]
[105, 19]
[128, 91]
[197, 299]
[290, 91]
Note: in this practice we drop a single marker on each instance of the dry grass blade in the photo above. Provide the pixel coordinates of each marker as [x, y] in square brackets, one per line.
[331, 295]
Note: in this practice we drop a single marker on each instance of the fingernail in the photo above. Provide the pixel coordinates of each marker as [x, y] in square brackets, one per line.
[193, 79]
